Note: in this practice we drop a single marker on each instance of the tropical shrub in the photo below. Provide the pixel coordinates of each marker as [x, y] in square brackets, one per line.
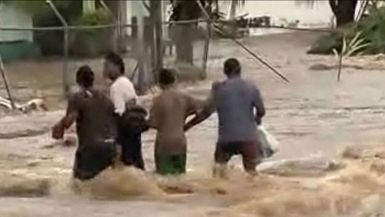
[368, 36]
[91, 42]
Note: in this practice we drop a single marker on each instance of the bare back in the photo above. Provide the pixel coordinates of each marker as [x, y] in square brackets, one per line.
[168, 115]
[96, 116]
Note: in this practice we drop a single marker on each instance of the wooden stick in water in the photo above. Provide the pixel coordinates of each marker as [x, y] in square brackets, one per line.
[339, 66]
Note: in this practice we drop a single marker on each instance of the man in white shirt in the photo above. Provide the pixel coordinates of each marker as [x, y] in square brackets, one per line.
[123, 95]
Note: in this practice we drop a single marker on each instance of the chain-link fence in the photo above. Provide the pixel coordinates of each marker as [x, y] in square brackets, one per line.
[44, 65]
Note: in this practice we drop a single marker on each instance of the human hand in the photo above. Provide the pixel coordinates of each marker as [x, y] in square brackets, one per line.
[57, 132]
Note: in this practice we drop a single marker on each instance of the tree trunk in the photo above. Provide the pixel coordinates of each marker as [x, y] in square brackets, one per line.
[233, 9]
[183, 34]
[184, 43]
[344, 10]
[156, 16]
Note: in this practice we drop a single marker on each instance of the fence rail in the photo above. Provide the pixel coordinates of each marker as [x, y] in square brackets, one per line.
[58, 28]
[78, 27]
[211, 23]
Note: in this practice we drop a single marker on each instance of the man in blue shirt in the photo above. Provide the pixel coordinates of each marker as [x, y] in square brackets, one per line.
[240, 109]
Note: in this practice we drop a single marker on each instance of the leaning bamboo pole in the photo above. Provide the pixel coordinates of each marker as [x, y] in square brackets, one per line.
[6, 84]
[65, 77]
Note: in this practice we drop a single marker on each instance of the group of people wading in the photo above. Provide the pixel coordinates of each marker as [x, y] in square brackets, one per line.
[107, 123]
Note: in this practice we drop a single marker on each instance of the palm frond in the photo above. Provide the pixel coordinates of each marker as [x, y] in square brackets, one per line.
[355, 39]
[344, 46]
[352, 46]
[335, 52]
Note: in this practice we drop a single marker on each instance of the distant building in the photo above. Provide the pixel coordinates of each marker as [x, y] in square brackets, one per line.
[284, 12]
[16, 44]
[11, 17]
[138, 10]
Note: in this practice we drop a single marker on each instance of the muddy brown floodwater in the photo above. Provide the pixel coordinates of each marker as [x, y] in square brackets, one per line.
[314, 117]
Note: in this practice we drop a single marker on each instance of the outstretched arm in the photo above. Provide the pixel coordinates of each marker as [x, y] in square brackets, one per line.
[203, 114]
[70, 117]
[198, 118]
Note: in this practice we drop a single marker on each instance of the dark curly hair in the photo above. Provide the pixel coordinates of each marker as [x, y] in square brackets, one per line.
[85, 76]
[232, 67]
[166, 77]
[116, 60]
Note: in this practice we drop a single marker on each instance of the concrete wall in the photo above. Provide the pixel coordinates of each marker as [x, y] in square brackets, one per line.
[10, 17]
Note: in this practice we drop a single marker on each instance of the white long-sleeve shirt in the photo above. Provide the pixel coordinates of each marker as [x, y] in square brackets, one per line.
[122, 92]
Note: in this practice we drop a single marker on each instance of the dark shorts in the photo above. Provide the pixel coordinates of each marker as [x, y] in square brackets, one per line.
[92, 159]
[132, 149]
[170, 164]
[250, 152]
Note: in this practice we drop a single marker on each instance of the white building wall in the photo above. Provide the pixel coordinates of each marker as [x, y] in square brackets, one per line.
[10, 17]
[135, 9]
[285, 12]
[281, 11]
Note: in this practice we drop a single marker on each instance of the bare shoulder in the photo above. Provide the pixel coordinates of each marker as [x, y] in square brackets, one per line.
[156, 99]
[185, 96]
[75, 97]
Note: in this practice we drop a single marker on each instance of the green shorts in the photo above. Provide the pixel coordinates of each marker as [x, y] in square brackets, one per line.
[170, 164]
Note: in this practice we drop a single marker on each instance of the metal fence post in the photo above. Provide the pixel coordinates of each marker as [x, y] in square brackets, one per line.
[207, 47]
[66, 84]
[116, 31]
[157, 21]
[142, 54]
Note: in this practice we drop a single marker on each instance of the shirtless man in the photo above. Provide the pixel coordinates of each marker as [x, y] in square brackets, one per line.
[168, 115]
[96, 130]
[240, 109]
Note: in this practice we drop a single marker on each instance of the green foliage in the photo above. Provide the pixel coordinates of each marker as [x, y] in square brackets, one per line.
[352, 46]
[366, 37]
[97, 17]
[373, 28]
[326, 44]
[92, 42]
